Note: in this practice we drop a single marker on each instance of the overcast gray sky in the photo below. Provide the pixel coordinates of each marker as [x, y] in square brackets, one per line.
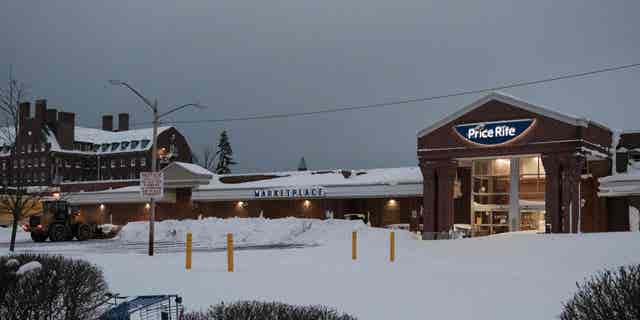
[255, 56]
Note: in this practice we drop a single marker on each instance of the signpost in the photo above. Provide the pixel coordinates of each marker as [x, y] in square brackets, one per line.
[152, 185]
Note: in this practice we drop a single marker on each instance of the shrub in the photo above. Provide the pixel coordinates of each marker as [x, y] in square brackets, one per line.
[266, 311]
[56, 288]
[607, 295]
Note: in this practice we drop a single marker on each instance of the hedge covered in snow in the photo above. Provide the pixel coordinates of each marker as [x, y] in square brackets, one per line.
[36, 286]
[607, 295]
[256, 310]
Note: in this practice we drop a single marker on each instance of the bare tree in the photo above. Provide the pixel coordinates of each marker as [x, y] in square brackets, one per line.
[208, 159]
[16, 198]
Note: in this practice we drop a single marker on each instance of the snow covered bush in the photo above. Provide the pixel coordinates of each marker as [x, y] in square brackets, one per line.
[266, 311]
[37, 286]
[607, 295]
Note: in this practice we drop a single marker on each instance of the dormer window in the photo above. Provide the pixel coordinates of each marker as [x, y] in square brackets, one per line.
[145, 143]
[114, 146]
[124, 145]
[96, 147]
[134, 144]
[105, 147]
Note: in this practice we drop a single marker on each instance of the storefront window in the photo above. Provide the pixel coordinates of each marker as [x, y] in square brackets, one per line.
[531, 190]
[499, 192]
[491, 185]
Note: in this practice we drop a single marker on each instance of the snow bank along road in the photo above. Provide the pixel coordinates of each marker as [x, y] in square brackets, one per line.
[208, 234]
[511, 276]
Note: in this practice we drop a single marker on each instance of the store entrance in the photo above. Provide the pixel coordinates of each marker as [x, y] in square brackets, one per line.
[507, 195]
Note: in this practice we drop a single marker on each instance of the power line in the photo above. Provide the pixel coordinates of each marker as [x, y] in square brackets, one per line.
[412, 100]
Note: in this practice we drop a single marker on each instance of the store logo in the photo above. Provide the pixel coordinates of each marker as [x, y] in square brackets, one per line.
[494, 133]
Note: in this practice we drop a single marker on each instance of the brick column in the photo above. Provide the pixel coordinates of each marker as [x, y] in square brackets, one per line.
[429, 218]
[446, 173]
[571, 166]
[552, 190]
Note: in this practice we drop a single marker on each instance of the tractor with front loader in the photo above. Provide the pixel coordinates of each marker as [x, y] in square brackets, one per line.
[59, 221]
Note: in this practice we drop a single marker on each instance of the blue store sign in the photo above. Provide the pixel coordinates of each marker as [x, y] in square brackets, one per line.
[495, 132]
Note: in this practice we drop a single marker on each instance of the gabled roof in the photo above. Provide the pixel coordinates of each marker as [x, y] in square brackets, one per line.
[182, 175]
[516, 102]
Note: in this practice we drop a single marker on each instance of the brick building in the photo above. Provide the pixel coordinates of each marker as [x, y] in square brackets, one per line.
[52, 150]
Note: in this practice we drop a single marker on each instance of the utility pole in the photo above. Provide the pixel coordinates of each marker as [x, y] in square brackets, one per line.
[154, 148]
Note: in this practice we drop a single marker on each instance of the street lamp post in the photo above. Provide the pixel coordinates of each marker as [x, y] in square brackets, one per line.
[154, 148]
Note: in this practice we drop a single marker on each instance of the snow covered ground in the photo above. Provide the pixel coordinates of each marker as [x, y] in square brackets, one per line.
[5, 235]
[510, 276]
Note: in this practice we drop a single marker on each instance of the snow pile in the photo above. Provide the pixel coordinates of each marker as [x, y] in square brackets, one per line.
[29, 267]
[12, 263]
[212, 232]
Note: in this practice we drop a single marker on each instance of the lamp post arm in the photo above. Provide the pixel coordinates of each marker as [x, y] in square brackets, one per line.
[137, 93]
[166, 113]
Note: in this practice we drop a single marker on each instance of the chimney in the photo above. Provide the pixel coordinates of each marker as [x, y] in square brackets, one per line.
[123, 121]
[51, 117]
[24, 112]
[66, 129]
[41, 110]
[107, 122]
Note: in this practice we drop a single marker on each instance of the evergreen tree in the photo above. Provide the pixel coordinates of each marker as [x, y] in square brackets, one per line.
[224, 154]
[302, 165]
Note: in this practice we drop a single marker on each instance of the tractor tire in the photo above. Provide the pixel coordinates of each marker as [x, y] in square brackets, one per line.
[58, 232]
[36, 237]
[84, 232]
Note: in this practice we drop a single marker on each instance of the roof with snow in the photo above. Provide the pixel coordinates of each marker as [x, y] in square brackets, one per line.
[517, 102]
[621, 184]
[104, 142]
[365, 183]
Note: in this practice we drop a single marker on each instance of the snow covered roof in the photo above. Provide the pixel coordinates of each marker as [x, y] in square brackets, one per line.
[621, 184]
[511, 100]
[118, 141]
[387, 176]
[105, 142]
[366, 183]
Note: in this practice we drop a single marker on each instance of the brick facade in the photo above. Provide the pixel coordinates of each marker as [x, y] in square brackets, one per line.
[51, 150]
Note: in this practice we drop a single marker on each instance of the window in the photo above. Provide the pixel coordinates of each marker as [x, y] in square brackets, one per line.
[43, 176]
[145, 143]
[143, 162]
[43, 162]
[29, 148]
[44, 147]
[105, 147]
[67, 164]
[78, 164]
[124, 145]
[28, 163]
[4, 165]
[134, 144]
[96, 147]
[21, 163]
[114, 146]
[113, 163]
[123, 163]
[133, 162]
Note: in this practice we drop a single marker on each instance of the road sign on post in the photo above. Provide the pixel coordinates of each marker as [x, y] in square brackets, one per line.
[152, 184]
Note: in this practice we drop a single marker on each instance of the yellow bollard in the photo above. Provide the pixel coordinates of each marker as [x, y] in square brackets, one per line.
[392, 246]
[354, 238]
[189, 245]
[229, 252]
